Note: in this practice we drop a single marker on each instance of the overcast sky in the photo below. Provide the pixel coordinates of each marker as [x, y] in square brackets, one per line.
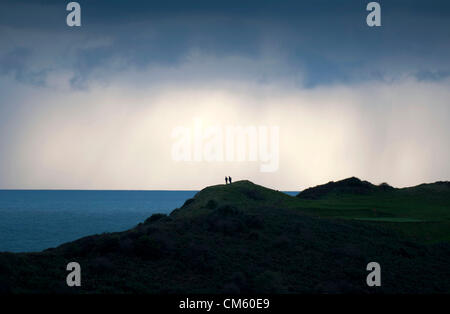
[94, 107]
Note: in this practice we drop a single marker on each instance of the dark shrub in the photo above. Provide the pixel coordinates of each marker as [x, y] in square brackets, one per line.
[386, 187]
[126, 246]
[253, 235]
[405, 253]
[253, 221]
[188, 202]
[154, 218]
[282, 242]
[198, 256]
[239, 279]
[81, 247]
[107, 244]
[153, 230]
[135, 233]
[211, 204]
[254, 195]
[268, 282]
[231, 288]
[149, 248]
[336, 286]
[226, 224]
[228, 210]
[102, 264]
[346, 250]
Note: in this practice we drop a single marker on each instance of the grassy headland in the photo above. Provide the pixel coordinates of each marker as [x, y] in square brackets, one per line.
[421, 212]
[244, 238]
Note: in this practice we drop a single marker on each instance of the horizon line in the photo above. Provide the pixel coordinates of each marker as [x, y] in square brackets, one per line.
[198, 190]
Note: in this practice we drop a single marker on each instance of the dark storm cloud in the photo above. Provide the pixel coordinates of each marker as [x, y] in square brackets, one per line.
[371, 102]
[327, 40]
[432, 76]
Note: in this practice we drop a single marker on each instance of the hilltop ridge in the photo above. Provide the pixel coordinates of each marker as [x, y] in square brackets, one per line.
[351, 185]
[356, 186]
[243, 194]
[236, 238]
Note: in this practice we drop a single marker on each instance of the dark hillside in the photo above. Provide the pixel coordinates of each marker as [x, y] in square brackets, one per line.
[350, 186]
[238, 238]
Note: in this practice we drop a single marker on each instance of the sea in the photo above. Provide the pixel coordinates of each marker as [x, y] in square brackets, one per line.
[34, 220]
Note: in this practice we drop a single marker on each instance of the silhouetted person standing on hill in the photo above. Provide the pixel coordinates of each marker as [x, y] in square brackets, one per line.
[229, 179]
[226, 180]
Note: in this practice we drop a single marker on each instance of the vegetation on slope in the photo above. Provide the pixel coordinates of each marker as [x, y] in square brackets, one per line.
[421, 212]
[238, 238]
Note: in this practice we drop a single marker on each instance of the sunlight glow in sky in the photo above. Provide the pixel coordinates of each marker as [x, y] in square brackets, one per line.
[95, 108]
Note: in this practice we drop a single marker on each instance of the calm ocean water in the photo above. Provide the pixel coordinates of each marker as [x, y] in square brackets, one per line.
[33, 220]
[36, 220]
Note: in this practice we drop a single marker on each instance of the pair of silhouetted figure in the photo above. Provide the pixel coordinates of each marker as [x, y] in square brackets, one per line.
[227, 180]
